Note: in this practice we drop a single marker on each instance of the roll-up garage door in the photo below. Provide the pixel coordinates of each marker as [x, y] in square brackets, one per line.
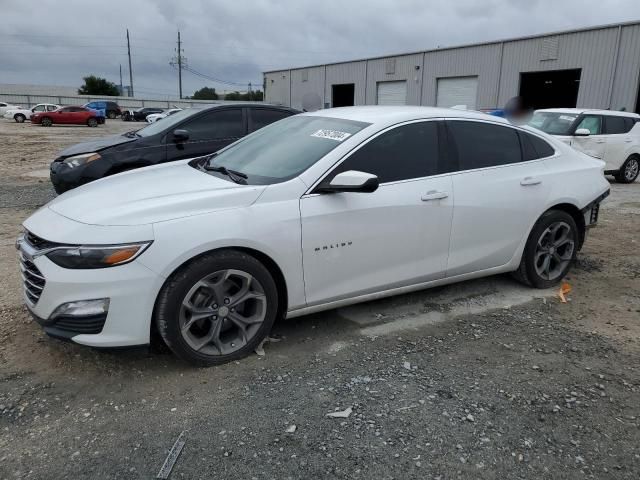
[457, 91]
[392, 93]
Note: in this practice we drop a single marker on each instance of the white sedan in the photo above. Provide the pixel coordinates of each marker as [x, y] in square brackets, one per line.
[154, 117]
[311, 213]
[6, 106]
[20, 114]
[604, 134]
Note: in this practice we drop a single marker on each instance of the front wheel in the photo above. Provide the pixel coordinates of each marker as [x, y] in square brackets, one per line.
[111, 114]
[629, 170]
[550, 250]
[92, 122]
[19, 118]
[217, 308]
[46, 122]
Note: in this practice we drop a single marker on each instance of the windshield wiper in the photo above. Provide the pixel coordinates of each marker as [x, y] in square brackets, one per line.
[237, 177]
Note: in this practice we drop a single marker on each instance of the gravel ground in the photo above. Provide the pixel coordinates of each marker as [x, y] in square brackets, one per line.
[485, 379]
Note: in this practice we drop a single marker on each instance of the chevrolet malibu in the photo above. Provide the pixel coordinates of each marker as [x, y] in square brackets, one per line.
[311, 213]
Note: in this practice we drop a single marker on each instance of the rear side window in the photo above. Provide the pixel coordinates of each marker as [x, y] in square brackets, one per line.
[261, 117]
[615, 125]
[534, 147]
[406, 152]
[481, 145]
[217, 124]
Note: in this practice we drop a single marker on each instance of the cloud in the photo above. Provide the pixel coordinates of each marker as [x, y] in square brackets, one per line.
[56, 43]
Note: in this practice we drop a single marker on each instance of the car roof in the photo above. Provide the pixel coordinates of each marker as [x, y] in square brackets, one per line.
[392, 114]
[244, 104]
[593, 111]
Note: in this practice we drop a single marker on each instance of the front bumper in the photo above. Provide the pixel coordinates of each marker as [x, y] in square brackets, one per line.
[130, 288]
[65, 178]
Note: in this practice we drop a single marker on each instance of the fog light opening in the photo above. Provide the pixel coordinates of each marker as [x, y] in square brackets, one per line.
[82, 308]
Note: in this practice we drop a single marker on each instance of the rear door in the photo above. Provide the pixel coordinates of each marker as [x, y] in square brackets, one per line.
[595, 144]
[498, 193]
[261, 117]
[208, 133]
[617, 130]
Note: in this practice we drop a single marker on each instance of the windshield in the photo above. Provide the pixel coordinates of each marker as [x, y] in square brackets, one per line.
[285, 148]
[553, 123]
[178, 117]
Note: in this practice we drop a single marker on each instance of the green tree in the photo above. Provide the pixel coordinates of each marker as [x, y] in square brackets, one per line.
[205, 93]
[253, 96]
[98, 86]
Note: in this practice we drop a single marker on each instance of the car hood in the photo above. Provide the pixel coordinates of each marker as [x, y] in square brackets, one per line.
[153, 194]
[96, 145]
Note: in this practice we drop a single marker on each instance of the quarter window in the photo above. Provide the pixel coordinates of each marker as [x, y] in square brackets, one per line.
[591, 123]
[615, 125]
[534, 147]
[408, 151]
[217, 124]
[481, 145]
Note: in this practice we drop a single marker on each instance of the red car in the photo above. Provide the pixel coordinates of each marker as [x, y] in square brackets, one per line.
[67, 116]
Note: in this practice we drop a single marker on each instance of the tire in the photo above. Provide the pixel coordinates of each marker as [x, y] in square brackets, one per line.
[46, 122]
[125, 117]
[19, 118]
[554, 237]
[92, 122]
[111, 115]
[629, 170]
[214, 284]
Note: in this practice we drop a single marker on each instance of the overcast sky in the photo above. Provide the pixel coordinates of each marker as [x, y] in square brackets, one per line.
[57, 42]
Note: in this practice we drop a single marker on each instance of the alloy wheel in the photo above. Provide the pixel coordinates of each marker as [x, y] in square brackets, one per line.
[222, 312]
[554, 250]
[631, 169]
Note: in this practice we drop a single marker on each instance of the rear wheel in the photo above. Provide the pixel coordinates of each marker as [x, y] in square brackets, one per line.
[111, 114]
[550, 250]
[92, 122]
[19, 118]
[217, 308]
[629, 170]
[46, 122]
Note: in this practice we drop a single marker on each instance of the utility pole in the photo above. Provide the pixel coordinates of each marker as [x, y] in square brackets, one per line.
[179, 66]
[130, 71]
[121, 88]
[249, 91]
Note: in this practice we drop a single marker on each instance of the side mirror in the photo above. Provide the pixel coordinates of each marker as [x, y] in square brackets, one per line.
[350, 181]
[582, 132]
[180, 135]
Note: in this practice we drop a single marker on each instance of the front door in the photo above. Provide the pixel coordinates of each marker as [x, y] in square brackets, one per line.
[594, 144]
[208, 133]
[359, 243]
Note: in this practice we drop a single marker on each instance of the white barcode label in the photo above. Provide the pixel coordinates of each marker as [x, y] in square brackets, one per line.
[336, 135]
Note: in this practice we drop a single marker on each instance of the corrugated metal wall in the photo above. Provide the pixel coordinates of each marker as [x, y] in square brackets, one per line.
[307, 88]
[352, 72]
[481, 61]
[497, 65]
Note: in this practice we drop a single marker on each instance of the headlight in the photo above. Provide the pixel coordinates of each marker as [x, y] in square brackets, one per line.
[99, 256]
[78, 160]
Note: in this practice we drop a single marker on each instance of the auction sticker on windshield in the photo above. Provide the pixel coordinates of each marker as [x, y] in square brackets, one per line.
[336, 135]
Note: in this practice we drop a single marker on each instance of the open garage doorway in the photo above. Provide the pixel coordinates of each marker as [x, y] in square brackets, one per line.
[638, 100]
[555, 88]
[343, 95]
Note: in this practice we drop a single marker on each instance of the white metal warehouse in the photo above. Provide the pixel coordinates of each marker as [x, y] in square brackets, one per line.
[595, 67]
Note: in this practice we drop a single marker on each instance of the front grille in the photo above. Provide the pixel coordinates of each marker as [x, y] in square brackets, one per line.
[32, 279]
[37, 242]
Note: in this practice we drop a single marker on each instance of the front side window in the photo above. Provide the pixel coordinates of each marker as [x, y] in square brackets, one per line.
[480, 145]
[157, 127]
[592, 123]
[39, 108]
[615, 125]
[553, 123]
[405, 152]
[216, 124]
[285, 149]
[261, 117]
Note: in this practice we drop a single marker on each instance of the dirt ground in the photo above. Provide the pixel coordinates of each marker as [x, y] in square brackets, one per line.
[486, 379]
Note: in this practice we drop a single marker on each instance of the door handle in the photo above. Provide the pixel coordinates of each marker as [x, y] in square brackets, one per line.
[628, 140]
[529, 181]
[600, 141]
[434, 195]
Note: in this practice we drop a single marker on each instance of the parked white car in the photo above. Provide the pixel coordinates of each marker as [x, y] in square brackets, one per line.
[154, 117]
[313, 212]
[6, 106]
[604, 134]
[20, 114]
